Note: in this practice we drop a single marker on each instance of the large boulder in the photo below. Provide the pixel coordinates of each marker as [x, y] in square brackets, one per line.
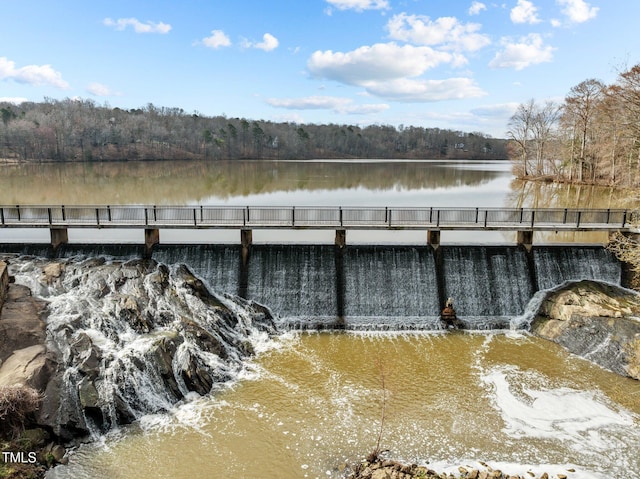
[31, 367]
[600, 322]
[21, 323]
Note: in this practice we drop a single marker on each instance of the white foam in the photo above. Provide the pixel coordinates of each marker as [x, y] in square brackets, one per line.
[584, 421]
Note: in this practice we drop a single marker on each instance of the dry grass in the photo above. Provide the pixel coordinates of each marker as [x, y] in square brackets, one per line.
[17, 403]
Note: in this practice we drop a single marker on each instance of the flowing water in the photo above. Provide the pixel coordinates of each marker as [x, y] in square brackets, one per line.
[309, 403]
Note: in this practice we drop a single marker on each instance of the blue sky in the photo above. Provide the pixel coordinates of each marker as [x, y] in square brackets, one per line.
[458, 64]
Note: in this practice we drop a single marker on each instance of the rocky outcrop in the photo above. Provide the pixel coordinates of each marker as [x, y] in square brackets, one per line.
[378, 468]
[597, 321]
[24, 358]
[125, 339]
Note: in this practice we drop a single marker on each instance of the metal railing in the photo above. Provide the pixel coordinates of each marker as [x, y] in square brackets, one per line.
[330, 217]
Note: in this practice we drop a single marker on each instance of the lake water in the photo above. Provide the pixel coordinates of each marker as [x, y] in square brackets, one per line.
[292, 183]
[309, 403]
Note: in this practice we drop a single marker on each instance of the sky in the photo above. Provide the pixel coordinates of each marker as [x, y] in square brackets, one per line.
[455, 64]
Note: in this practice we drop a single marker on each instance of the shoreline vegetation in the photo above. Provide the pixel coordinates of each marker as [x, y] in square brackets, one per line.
[80, 130]
[592, 137]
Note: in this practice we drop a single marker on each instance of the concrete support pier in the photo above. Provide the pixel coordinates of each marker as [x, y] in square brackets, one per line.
[433, 238]
[59, 236]
[341, 238]
[246, 239]
[151, 238]
[525, 238]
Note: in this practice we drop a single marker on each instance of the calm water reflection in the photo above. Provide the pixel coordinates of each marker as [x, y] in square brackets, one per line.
[322, 182]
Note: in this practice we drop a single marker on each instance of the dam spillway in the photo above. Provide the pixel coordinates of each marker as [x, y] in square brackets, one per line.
[373, 287]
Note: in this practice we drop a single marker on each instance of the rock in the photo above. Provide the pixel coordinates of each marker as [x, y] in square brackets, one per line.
[596, 321]
[30, 367]
[56, 452]
[88, 394]
[34, 438]
[380, 474]
[474, 474]
[51, 272]
[20, 321]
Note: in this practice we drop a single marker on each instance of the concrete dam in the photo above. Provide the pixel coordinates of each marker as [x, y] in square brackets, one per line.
[374, 287]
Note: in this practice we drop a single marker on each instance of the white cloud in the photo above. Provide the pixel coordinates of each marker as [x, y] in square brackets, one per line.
[14, 100]
[359, 5]
[268, 43]
[389, 71]
[98, 89]
[578, 11]
[528, 51]
[138, 26]
[410, 90]
[446, 32]
[525, 12]
[336, 104]
[476, 8]
[31, 74]
[498, 111]
[217, 39]
[380, 62]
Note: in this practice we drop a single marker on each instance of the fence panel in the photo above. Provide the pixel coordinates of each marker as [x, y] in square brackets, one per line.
[270, 216]
[375, 217]
[320, 217]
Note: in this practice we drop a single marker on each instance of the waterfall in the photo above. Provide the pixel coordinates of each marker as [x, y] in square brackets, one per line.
[555, 265]
[218, 265]
[391, 287]
[489, 284]
[376, 287]
[298, 282]
[133, 338]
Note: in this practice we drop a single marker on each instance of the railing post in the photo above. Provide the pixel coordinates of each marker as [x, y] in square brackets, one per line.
[64, 213]
[477, 213]
[98, 216]
[579, 216]
[155, 216]
[248, 217]
[624, 218]
[49, 213]
[340, 210]
[109, 213]
[431, 214]
[146, 217]
[386, 214]
[18, 209]
[486, 213]
[438, 218]
[389, 219]
[201, 214]
[195, 217]
[2, 216]
[293, 216]
[564, 218]
[521, 214]
[533, 217]
[608, 214]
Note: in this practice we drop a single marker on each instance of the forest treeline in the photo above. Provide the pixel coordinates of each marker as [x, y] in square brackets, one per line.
[592, 137]
[81, 130]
